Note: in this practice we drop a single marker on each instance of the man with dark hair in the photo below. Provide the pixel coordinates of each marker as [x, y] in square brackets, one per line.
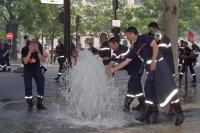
[134, 69]
[160, 87]
[32, 55]
[187, 55]
[104, 51]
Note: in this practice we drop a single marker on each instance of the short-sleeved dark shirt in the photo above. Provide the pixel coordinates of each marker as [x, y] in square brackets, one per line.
[143, 45]
[34, 61]
[121, 54]
[60, 49]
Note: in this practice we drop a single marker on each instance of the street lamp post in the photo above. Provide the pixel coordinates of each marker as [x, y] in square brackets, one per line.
[67, 31]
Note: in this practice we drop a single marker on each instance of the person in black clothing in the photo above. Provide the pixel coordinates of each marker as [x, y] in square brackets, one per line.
[134, 69]
[32, 55]
[164, 45]
[104, 51]
[195, 49]
[60, 57]
[187, 55]
[6, 57]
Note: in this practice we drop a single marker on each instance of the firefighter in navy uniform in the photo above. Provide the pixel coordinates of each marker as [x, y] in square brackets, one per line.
[160, 87]
[32, 56]
[195, 49]
[6, 56]
[187, 55]
[60, 57]
[104, 51]
[166, 50]
[164, 45]
[134, 69]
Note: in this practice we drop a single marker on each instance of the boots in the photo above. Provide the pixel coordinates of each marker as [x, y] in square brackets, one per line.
[145, 115]
[155, 114]
[40, 105]
[194, 79]
[30, 104]
[141, 105]
[149, 115]
[180, 116]
[127, 103]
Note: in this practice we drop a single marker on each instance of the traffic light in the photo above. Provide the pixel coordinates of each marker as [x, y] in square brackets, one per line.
[61, 17]
[115, 4]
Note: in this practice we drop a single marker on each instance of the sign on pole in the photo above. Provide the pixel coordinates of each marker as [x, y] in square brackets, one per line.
[9, 35]
[59, 2]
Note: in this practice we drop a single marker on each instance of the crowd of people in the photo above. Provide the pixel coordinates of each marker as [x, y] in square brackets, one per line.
[150, 52]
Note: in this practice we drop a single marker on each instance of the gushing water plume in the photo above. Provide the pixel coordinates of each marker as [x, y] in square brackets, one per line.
[91, 97]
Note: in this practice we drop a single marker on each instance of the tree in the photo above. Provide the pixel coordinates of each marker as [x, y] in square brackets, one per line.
[171, 15]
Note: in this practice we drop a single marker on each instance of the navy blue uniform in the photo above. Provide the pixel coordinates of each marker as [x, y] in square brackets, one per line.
[61, 58]
[160, 86]
[6, 57]
[33, 70]
[105, 53]
[187, 54]
[134, 70]
[165, 48]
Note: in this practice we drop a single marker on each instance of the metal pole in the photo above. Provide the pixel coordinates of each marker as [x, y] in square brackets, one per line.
[67, 31]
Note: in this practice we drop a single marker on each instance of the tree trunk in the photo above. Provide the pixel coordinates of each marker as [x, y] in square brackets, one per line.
[52, 45]
[171, 16]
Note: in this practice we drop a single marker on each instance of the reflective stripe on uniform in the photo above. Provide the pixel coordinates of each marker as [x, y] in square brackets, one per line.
[168, 99]
[181, 73]
[28, 97]
[59, 73]
[175, 101]
[148, 102]
[123, 54]
[165, 45]
[193, 75]
[103, 49]
[62, 56]
[130, 95]
[40, 96]
[138, 95]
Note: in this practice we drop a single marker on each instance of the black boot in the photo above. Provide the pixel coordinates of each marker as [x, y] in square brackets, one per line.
[30, 104]
[145, 114]
[194, 79]
[141, 105]
[57, 78]
[127, 103]
[171, 114]
[40, 105]
[180, 116]
[155, 114]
